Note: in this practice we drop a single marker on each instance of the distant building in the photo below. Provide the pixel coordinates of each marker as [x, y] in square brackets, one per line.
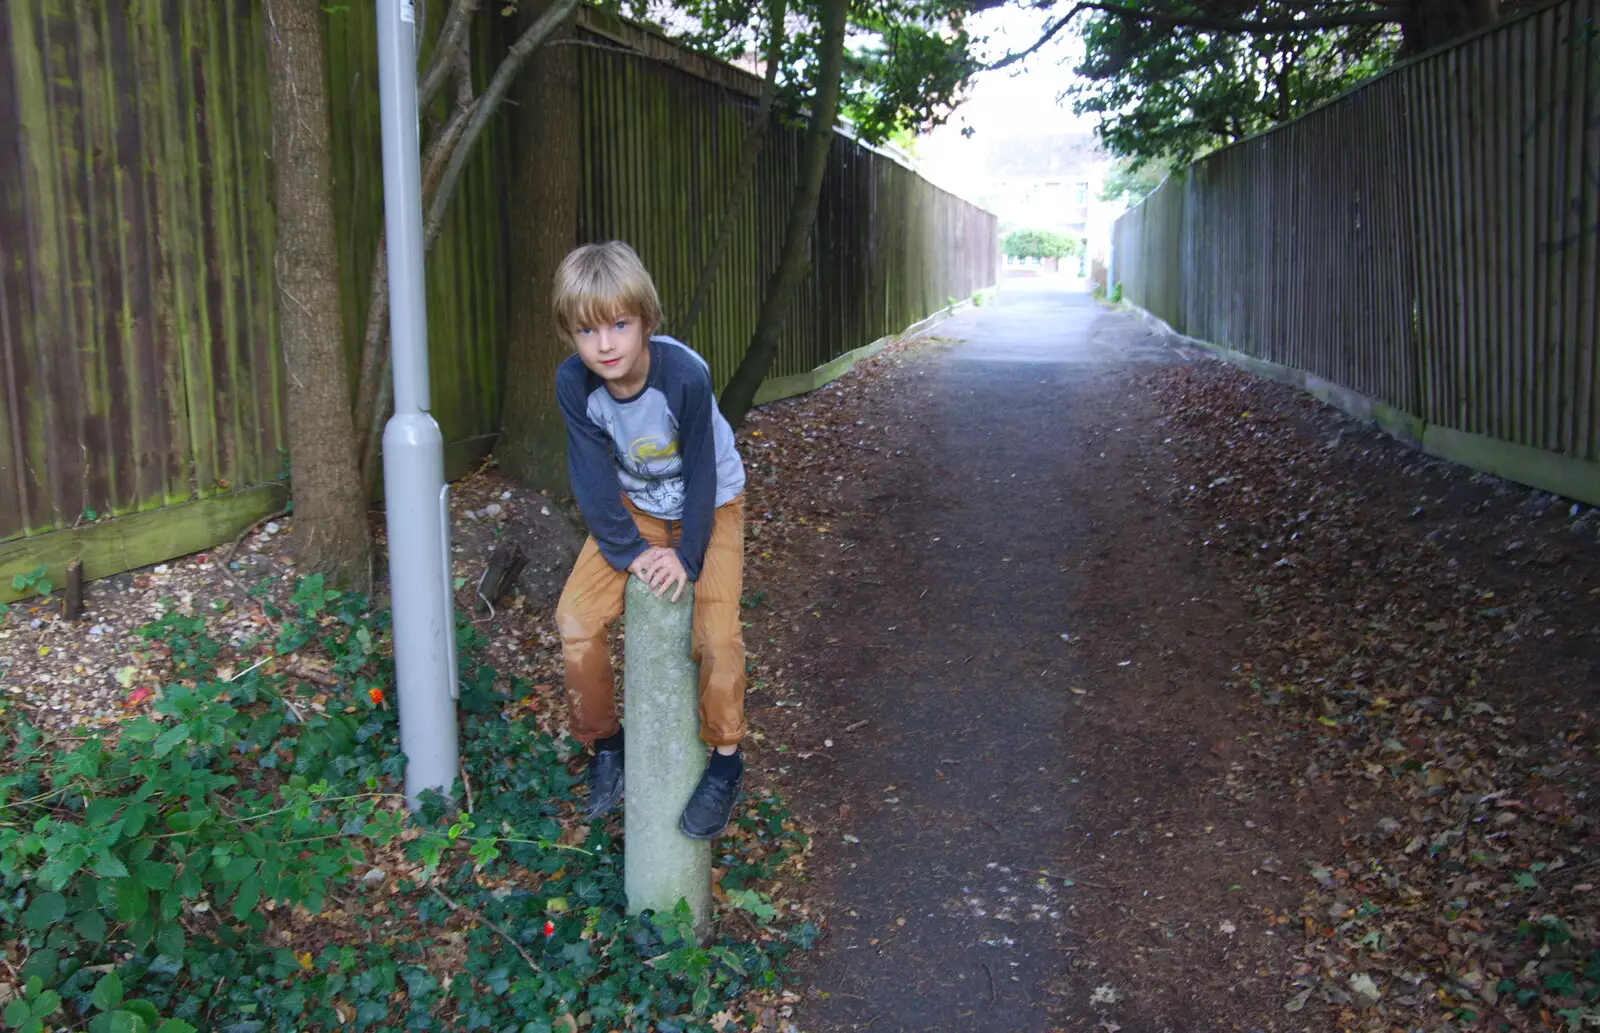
[1052, 182]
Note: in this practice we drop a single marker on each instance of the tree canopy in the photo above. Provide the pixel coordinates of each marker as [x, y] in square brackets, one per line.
[1173, 79]
[1131, 181]
[906, 65]
[1175, 92]
[1039, 244]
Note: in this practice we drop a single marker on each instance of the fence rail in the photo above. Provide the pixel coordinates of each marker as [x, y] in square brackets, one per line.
[1428, 240]
[141, 370]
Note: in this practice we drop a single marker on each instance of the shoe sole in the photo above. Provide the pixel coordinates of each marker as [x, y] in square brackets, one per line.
[700, 836]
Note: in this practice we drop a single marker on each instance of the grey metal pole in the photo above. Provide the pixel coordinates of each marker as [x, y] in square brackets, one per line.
[661, 690]
[416, 500]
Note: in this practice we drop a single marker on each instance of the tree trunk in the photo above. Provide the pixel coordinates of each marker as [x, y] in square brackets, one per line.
[547, 169]
[1433, 23]
[331, 535]
[740, 393]
[754, 141]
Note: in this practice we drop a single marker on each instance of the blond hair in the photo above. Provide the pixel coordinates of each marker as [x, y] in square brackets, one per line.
[598, 282]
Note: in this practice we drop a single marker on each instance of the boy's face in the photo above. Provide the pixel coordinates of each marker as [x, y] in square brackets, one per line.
[616, 351]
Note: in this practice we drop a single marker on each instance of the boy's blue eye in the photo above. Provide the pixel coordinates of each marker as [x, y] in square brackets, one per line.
[622, 324]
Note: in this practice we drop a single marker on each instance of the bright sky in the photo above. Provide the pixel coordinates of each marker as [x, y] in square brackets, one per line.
[1021, 100]
[1016, 101]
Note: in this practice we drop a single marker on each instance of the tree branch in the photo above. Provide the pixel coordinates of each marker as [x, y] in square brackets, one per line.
[1049, 34]
[489, 103]
[1208, 23]
[444, 52]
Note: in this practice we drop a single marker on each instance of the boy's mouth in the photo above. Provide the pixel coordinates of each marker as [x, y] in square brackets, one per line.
[609, 362]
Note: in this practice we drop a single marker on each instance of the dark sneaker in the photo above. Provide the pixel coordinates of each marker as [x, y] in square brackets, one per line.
[709, 809]
[605, 783]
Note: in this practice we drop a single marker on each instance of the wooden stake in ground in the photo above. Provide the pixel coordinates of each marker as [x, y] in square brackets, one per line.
[72, 595]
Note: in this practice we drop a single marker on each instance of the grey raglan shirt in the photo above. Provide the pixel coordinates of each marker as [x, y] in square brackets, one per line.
[667, 448]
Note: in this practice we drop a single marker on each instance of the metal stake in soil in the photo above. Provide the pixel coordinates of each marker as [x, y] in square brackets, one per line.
[665, 758]
[416, 501]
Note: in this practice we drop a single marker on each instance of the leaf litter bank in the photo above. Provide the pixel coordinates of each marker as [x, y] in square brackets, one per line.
[1418, 655]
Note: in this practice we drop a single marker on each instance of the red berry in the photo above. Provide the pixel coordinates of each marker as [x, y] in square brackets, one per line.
[549, 928]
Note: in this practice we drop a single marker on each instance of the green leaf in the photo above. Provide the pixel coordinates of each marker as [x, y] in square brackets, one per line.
[702, 999]
[154, 874]
[752, 901]
[176, 1026]
[132, 901]
[91, 925]
[1526, 881]
[108, 866]
[101, 811]
[83, 762]
[145, 1010]
[189, 877]
[43, 965]
[127, 1022]
[249, 895]
[168, 740]
[134, 819]
[108, 992]
[17, 1012]
[169, 940]
[46, 910]
[143, 929]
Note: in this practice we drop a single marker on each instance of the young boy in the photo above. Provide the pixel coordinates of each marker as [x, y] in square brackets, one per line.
[656, 474]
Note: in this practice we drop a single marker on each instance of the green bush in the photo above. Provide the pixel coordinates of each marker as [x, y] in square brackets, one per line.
[203, 868]
[1040, 244]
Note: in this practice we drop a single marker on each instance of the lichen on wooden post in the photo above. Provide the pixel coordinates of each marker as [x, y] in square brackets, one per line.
[665, 758]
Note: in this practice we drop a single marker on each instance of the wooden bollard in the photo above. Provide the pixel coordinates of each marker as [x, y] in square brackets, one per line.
[661, 691]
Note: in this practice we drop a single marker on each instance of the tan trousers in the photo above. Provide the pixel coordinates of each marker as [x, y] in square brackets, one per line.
[592, 599]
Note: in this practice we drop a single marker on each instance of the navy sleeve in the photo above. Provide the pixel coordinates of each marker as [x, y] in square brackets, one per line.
[593, 471]
[691, 400]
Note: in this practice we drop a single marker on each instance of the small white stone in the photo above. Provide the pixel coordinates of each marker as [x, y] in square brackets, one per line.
[162, 568]
[544, 510]
[493, 509]
[272, 527]
[505, 496]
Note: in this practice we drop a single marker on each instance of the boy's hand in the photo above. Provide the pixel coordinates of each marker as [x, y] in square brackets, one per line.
[661, 569]
[645, 562]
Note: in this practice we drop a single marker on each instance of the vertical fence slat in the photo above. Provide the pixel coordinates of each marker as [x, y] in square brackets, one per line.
[1428, 240]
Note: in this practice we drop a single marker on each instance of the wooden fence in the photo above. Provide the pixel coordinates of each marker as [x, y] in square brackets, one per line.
[1427, 241]
[142, 380]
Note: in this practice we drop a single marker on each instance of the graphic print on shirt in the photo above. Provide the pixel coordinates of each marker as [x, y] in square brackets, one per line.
[652, 446]
[652, 473]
